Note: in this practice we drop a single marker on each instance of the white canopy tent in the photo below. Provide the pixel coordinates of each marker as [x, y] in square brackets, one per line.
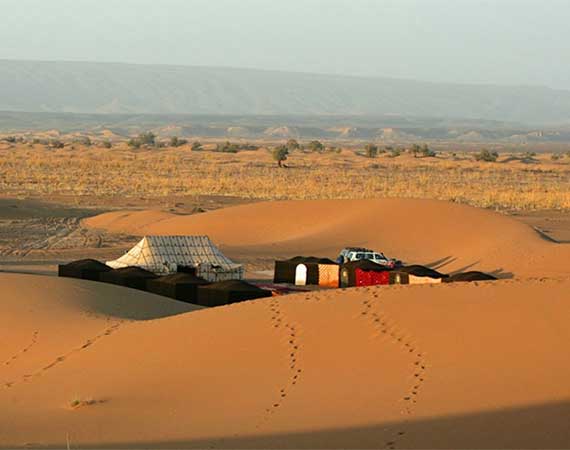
[165, 254]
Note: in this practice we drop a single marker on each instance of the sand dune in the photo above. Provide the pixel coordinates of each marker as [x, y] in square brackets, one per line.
[451, 366]
[445, 235]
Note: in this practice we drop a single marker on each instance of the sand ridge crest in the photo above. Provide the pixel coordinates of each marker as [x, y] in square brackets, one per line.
[444, 235]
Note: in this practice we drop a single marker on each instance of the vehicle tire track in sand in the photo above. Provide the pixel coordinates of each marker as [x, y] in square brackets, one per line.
[60, 359]
[390, 331]
[290, 333]
[22, 352]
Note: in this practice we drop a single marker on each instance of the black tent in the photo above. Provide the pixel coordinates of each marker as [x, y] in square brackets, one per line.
[227, 292]
[470, 276]
[133, 277]
[285, 271]
[86, 269]
[421, 271]
[348, 271]
[180, 286]
[397, 277]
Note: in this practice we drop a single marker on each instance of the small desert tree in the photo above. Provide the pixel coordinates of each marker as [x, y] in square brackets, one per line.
[371, 150]
[316, 146]
[56, 143]
[427, 152]
[196, 146]
[134, 143]
[486, 156]
[227, 147]
[292, 145]
[280, 154]
[395, 152]
[416, 150]
[175, 141]
[148, 138]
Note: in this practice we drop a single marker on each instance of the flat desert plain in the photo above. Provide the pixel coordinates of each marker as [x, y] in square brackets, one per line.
[464, 365]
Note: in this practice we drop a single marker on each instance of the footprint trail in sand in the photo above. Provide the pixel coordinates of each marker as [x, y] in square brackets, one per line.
[60, 359]
[290, 333]
[390, 331]
[10, 361]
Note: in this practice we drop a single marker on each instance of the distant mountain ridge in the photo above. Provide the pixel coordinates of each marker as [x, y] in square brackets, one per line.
[79, 87]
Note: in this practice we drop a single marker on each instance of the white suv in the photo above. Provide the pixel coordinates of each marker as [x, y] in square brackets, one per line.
[357, 254]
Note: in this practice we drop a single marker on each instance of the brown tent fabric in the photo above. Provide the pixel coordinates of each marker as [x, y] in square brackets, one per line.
[85, 269]
[179, 286]
[228, 292]
[422, 271]
[133, 277]
[470, 276]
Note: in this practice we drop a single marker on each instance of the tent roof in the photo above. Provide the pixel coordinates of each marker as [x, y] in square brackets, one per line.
[233, 285]
[130, 272]
[310, 260]
[88, 264]
[366, 265]
[422, 271]
[181, 278]
[158, 252]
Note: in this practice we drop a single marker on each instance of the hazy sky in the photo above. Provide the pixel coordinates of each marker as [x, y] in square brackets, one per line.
[478, 41]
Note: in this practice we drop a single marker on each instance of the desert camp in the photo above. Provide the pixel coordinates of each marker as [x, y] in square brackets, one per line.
[192, 269]
[285, 224]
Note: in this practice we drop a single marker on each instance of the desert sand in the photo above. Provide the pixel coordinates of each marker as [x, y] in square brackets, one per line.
[478, 365]
[403, 367]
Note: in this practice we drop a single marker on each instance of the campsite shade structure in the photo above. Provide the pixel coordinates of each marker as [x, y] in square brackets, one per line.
[180, 286]
[470, 276]
[86, 269]
[169, 254]
[422, 271]
[286, 271]
[363, 273]
[228, 292]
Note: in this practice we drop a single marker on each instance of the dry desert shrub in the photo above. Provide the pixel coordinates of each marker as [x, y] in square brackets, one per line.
[508, 184]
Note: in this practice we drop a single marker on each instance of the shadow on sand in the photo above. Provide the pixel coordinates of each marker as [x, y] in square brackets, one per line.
[529, 427]
[443, 262]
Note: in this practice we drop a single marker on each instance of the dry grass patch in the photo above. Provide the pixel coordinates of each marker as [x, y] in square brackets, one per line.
[509, 184]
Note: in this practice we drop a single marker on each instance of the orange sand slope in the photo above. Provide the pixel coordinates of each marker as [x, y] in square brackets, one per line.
[451, 366]
[445, 235]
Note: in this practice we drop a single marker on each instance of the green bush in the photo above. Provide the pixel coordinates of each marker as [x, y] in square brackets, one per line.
[227, 147]
[395, 152]
[56, 143]
[83, 140]
[292, 145]
[486, 156]
[316, 146]
[427, 152]
[134, 143]
[371, 150]
[175, 141]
